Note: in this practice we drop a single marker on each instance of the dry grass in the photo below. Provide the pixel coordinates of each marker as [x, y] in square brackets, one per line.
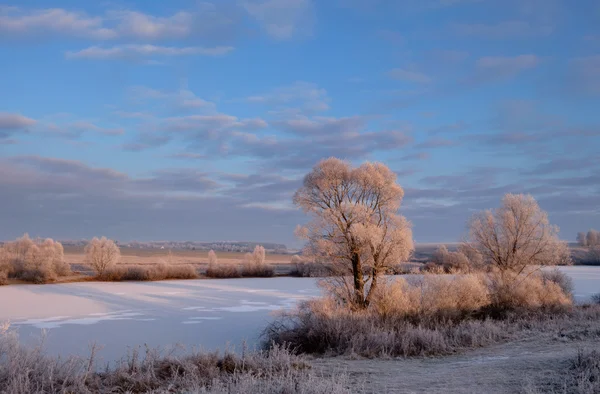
[222, 271]
[434, 316]
[30, 370]
[253, 270]
[161, 271]
[581, 376]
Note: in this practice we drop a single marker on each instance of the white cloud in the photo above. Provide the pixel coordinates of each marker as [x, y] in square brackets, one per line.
[507, 63]
[410, 76]
[206, 20]
[137, 51]
[140, 25]
[180, 99]
[282, 19]
[307, 96]
[54, 20]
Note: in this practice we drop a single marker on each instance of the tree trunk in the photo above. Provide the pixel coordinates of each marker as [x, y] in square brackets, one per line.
[359, 283]
[373, 287]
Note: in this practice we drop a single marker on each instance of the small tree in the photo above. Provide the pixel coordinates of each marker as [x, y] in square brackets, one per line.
[102, 254]
[592, 238]
[356, 229]
[581, 239]
[212, 258]
[516, 235]
[259, 254]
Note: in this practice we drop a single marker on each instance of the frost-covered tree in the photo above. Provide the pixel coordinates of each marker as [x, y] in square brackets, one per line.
[581, 239]
[259, 255]
[212, 258]
[516, 235]
[355, 228]
[102, 254]
[592, 238]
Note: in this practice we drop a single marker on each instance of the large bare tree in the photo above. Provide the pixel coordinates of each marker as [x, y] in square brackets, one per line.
[516, 235]
[355, 228]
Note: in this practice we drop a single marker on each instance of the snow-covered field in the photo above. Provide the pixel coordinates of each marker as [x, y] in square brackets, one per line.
[210, 314]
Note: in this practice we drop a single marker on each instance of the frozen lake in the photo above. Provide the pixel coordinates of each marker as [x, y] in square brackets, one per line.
[210, 314]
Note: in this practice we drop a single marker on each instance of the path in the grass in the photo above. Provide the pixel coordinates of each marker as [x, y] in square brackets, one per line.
[505, 368]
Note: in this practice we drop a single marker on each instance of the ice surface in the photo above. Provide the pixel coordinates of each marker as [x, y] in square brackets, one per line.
[210, 314]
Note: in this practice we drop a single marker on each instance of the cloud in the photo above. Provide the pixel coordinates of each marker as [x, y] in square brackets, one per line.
[508, 64]
[415, 156]
[54, 20]
[140, 25]
[436, 143]
[409, 76]
[187, 155]
[494, 68]
[447, 56]
[504, 30]
[585, 74]
[134, 51]
[392, 36]
[11, 123]
[306, 96]
[565, 164]
[206, 132]
[177, 181]
[332, 137]
[78, 201]
[450, 128]
[70, 168]
[324, 126]
[77, 129]
[208, 21]
[182, 99]
[282, 19]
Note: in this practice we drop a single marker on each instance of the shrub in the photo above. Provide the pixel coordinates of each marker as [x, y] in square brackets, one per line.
[593, 256]
[254, 264]
[33, 260]
[307, 269]
[450, 261]
[529, 291]
[563, 280]
[164, 271]
[423, 316]
[220, 270]
[223, 270]
[102, 254]
[161, 271]
[596, 298]
[432, 297]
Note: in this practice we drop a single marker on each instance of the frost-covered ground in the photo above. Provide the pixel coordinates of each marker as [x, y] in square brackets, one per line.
[210, 314]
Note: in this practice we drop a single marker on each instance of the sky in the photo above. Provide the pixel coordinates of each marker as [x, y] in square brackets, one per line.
[197, 120]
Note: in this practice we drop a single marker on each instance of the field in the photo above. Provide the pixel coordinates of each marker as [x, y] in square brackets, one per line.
[198, 258]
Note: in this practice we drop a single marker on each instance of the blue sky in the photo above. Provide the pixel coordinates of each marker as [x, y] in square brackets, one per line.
[198, 119]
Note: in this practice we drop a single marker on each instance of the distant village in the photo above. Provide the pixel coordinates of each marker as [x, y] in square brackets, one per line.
[220, 246]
